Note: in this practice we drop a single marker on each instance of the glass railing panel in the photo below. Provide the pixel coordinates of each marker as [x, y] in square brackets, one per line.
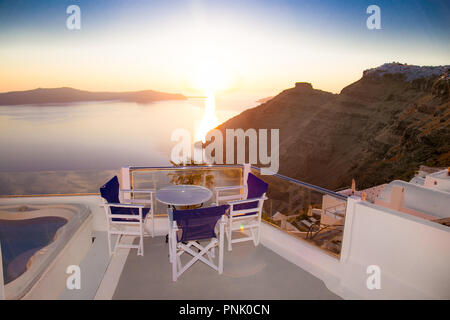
[209, 177]
[312, 214]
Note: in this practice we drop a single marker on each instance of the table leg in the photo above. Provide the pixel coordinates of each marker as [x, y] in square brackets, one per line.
[167, 235]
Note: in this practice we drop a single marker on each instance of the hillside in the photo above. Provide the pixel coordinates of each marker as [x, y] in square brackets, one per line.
[382, 127]
[66, 95]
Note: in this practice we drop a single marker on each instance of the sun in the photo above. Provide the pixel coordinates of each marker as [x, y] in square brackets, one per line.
[211, 77]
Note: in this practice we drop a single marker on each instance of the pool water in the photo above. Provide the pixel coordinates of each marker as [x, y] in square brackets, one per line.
[21, 239]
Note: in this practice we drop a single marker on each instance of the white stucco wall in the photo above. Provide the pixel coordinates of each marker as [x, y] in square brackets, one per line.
[438, 180]
[413, 254]
[430, 201]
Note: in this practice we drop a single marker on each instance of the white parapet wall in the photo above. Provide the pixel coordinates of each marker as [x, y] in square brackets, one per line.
[303, 254]
[438, 180]
[412, 254]
[433, 203]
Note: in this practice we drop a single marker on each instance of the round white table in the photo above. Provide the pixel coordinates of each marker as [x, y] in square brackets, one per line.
[183, 195]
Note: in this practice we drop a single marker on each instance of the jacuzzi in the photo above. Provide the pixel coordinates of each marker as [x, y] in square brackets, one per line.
[39, 241]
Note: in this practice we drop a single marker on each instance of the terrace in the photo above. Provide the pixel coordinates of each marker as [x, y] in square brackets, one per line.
[315, 244]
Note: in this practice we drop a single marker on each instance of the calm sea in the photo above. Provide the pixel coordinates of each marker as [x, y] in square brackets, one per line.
[98, 135]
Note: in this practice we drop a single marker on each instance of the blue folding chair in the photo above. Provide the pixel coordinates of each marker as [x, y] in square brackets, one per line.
[126, 219]
[188, 228]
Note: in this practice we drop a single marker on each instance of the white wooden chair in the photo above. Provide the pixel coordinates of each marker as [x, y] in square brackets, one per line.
[245, 213]
[126, 219]
[188, 228]
[245, 216]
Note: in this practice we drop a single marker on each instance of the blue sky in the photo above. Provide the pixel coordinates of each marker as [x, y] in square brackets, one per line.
[280, 41]
[427, 17]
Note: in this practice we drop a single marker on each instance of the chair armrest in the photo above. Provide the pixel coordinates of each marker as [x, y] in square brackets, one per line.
[124, 205]
[149, 200]
[218, 189]
[231, 203]
[138, 190]
[138, 201]
[232, 196]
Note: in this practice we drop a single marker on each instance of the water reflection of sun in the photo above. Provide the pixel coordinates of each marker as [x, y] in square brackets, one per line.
[209, 120]
[211, 78]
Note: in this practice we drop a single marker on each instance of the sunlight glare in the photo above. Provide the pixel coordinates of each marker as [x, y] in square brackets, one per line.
[209, 120]
[211, 77]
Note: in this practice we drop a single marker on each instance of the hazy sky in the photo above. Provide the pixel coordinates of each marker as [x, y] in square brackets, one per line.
[246, 46]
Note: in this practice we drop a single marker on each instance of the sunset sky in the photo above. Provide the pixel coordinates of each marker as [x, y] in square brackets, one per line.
[235, 46]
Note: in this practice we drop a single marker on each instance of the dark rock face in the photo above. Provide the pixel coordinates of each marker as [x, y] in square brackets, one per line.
[380, 128]
[304, 86]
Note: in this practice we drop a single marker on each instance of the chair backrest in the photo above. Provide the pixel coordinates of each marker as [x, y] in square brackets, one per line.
[255, 186]
[197, 224]
[110, 190]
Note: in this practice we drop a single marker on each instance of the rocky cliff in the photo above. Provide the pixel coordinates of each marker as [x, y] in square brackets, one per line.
[382, 127]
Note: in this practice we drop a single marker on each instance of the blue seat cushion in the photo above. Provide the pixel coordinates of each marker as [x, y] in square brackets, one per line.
[129, 211]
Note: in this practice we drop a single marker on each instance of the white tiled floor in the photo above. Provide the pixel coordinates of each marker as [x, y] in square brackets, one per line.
[249, 273]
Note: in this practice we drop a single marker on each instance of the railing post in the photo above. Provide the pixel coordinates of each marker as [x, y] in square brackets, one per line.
[247, 168]
[125, 182]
